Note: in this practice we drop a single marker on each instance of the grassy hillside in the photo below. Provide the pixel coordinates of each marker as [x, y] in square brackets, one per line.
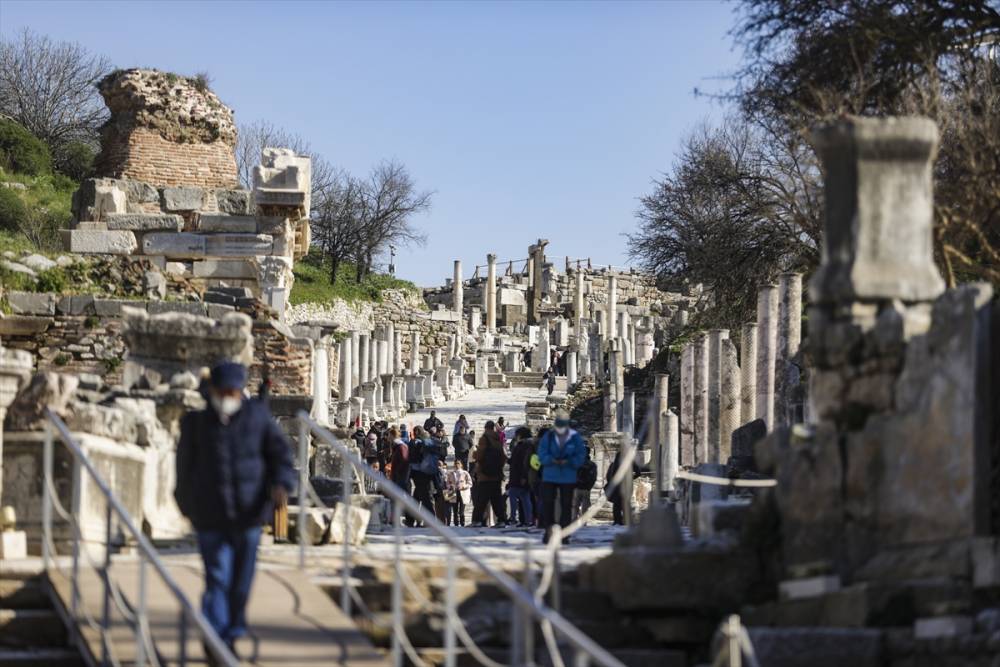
[312, 283]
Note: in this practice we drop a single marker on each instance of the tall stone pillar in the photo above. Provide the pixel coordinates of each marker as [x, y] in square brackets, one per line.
[536, 276]
[700, 408]
[748, 373]
[355, 359]
[372, 356]
[660, 399]
[383, 357]
[397, 353]
[390, 337]
[364, 363]
[571, 367]
[788, 338]
[612, 327]
[345, 369]
[458, 291]
[715, 339]
[767, 330]
[491, 293]
[729, 408]
[414, 352]
[669, 461]
[687, 406]
[540, 355]
[578, 299]
[628, 414]
[320, 410]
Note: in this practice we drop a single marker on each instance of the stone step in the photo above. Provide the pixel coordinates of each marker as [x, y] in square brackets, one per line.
[39, 628]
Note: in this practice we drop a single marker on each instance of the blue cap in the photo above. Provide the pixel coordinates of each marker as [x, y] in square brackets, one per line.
[229, 375]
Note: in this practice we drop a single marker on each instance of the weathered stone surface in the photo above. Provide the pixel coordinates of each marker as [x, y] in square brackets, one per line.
[155, 284]
[144, 222]
[744, 439]
[238, 245]
[187, 307]
[181, 245]
[24, 325]
[243, 224]
[76, 304]
[32, 303]
[187, 339]
[37, 262]
[139, 192]
[113, 307]
[233, 202]
[45, 390]
[817, 647]
[17, 267]
[182, 198]
[117, 242]
[357, 519]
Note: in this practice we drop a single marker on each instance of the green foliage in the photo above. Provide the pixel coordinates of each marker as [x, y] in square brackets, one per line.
[52, 280]
[76, 160]
[312, 283]
[13, 212]
[21, 151]
[62, 359]
[112, 364]
[201, 81]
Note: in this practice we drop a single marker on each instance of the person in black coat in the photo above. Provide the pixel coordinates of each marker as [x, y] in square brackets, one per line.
[234, 465]
[615, 494]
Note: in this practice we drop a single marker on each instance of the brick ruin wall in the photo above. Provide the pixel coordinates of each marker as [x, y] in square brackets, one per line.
[142, 154]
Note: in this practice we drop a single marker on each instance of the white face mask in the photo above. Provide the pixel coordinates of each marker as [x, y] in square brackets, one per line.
[228, 406]
[561, 430]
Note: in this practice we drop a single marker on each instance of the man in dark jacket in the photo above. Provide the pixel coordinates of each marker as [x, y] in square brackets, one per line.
[462, 442]
[488, 488]
[519, 488]
[432, 423]
[234, 465]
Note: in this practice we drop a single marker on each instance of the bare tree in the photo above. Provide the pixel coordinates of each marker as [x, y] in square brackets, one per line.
[254, 137]
[51, 89]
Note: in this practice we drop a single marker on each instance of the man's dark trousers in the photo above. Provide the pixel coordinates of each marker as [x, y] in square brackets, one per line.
[549, 491]
[229, 557]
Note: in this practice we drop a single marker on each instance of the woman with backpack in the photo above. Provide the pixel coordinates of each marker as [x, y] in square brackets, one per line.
[488, 490]
[519, 488]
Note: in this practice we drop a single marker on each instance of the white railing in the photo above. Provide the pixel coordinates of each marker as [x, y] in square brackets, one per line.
[135, 613]
[734, 646]
[528, 608]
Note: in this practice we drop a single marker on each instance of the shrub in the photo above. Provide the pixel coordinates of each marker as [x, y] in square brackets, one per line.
[52, 280]
[13, 212]
[21, 151]
[76, 160]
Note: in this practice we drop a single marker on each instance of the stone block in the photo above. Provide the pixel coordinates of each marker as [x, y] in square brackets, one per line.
[274, 197]
[985, 560]
[233, 202]
[794, 589]
[38, 262]
[91, 226]
[317, 524]
[175, 268]
[15, 267]
[138, 192]
[24, 325]
[189, 307]
[181, 245]
[77, 304]
[817, 647]
[32, 303]
[113, 307]
[154, 284]
[183, 198]
[940, 627]
[145, 222]
[224, 268]
[238, 245]
[357, 519]
[219, 310]
[13, 544]
[239, 224]
[117, 242]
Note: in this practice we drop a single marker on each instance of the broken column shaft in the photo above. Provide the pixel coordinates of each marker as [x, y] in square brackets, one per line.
[767, 321]
[788, 338]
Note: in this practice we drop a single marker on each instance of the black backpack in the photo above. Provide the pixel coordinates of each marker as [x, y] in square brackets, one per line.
[416, 452]
[586, 475]
[492, 465]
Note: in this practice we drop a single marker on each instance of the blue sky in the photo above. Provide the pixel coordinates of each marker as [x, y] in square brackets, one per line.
[527, 120]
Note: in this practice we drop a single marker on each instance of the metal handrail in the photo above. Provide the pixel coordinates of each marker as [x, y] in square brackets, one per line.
[586, 648]
[147, 552]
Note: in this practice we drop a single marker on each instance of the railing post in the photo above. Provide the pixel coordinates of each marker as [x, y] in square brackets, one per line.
[303, 492]
[182, 632]
[106, 574]
[528, 581]
[556, 578]
[451, 612]
[345, 589]
[48, 487]
[581, 659]
[397, 586]
[141, 622]
[76, 535]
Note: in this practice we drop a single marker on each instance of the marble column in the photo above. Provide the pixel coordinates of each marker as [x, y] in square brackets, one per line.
[383, 356]
[748, 373]
[687, 406]
[364, 353]
[668, 461]
[540, 355]
[714, 405]
[571, 367]
[659, 401]
[372, 356]
[788, 338]
[345, 369]
[612, 325]
[390, 337]
[397, 353]
[700, 404]
[491, 292]
[729, 409]
[578, 298]
[414, 352]
[458, 289]
[355, 359]
[767, 321]
[628, 414]
[320, 410]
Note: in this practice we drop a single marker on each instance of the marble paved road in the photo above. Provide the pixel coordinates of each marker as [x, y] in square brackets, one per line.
[480, 405]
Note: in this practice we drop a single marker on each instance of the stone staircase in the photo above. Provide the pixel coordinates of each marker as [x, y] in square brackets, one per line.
[32, 633]
[526, 379]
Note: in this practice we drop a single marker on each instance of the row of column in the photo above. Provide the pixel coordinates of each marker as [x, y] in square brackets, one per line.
[722, 388]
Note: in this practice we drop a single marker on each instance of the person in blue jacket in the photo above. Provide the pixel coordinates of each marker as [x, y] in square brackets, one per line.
[234, 465]
[561, 452]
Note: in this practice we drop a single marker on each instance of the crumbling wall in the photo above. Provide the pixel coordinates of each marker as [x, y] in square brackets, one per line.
[166, 129]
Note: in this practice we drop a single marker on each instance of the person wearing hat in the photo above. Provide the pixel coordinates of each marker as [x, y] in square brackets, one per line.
[234, 465]
[561, 452]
